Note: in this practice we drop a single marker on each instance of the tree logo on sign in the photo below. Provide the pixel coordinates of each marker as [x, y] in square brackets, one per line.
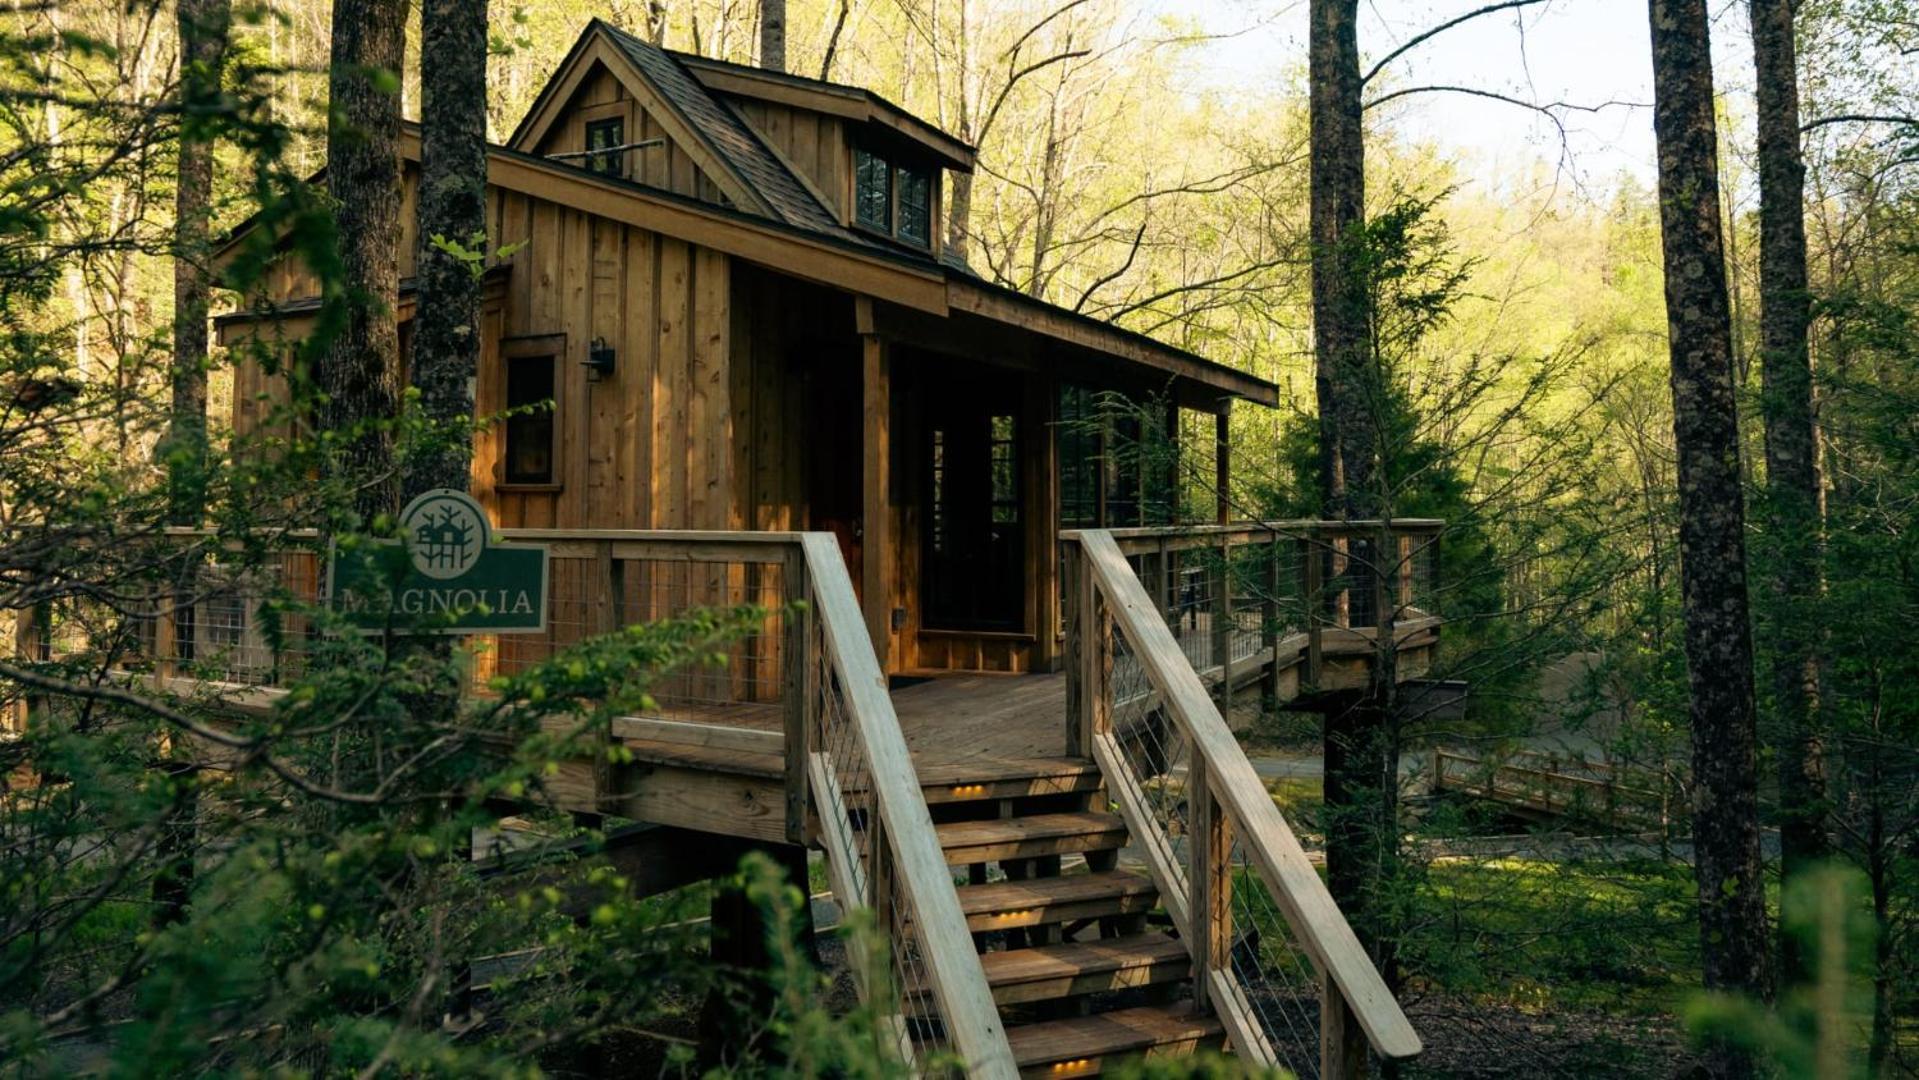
[446, 532]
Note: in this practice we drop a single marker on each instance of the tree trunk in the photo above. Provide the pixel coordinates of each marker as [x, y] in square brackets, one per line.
[773, 35]
[452, 206]
[1338, 180]
[203, 43]
[1731, 884]
[360, 374]
[1792, 477]
[1361, 838]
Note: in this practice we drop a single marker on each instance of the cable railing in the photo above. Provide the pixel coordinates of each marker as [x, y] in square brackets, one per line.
[1273, 956]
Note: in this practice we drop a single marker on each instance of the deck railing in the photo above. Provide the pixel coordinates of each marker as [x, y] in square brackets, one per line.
[1273, 956]
[1278, 600]
[802, 687]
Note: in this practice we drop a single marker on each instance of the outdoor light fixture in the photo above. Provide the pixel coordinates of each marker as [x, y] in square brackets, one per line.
[599, 358]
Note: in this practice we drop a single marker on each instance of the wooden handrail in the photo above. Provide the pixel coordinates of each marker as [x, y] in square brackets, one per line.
[1110, 589]
[1147, 539]
[918, 865]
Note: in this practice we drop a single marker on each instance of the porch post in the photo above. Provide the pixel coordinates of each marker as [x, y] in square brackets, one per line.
[1222, 462]
[876, 542]
[1173, 460]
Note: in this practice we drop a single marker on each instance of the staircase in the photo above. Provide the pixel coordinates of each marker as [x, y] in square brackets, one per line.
[1083, 972]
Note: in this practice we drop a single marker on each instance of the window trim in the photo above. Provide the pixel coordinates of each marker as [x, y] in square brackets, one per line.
[524, 347]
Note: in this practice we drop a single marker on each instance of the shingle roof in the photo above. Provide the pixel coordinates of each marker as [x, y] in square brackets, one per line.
[729, 136]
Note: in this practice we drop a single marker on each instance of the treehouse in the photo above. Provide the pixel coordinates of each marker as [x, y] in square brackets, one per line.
[733, 286]
[772, 381]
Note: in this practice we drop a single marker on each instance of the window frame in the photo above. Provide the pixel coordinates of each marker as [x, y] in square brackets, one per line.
[533, 347]
[606, 162]
[894, 171]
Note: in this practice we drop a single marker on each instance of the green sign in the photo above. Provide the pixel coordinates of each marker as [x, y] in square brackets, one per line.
[444, 577]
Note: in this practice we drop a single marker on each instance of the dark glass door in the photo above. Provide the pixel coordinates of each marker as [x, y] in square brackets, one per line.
[972, 564]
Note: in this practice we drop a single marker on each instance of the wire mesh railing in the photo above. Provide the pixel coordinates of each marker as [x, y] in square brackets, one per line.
[1273, 956]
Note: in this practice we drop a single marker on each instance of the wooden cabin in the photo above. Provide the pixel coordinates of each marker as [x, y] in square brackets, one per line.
[734, 288]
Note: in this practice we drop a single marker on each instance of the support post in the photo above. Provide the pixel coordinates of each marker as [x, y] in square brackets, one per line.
[1173, 460]
[1342, 1042]
[876, 509]
[1223, 463]
[1089, 657]
[1072, 574]
[1269, 621]
[609, 617]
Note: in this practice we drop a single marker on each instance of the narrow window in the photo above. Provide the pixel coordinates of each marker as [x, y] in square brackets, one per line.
[602, 136]
[529, 434]
[1004, 455]
[916, 207]
[873, 191]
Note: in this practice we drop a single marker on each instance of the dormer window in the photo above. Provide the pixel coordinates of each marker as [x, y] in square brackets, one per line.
[892, 198]
[604, 138]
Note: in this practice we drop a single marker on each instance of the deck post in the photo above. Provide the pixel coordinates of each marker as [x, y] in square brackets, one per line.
[799, 674]
[1342, 1042]
[1089, 656]
[1269, 621]
[1210, 878]
[1223, 463]
[1222, 632]
[1310, 568]
[1072, 573]
[609, 616]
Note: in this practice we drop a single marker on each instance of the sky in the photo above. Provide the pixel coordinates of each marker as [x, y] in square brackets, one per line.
[1582, 52]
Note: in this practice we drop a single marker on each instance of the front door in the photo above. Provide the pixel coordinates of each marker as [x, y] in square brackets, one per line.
[972, 560]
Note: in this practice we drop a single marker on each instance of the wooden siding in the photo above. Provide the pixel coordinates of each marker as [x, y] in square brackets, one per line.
[601, 95]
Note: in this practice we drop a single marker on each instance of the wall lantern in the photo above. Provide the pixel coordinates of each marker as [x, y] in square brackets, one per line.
[599, 358]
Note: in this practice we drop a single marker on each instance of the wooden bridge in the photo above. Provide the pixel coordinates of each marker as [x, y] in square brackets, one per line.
[1560, 787]
[1054, 958]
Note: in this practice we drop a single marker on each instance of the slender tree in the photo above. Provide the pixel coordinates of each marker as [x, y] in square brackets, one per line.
[452, 230]
[203, 44]
[359, 375]
[1726, 865]
[1792, 476]
[773, 35]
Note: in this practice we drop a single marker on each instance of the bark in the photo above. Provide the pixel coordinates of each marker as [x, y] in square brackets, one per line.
[203, 41]
[773, 35]
[1338, 182]
[1792, 477]
[452, 205]
[1718, 637]
[360, 373]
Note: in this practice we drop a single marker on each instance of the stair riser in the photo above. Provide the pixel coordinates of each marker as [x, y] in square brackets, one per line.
[1096, 1065]
[1025, 788]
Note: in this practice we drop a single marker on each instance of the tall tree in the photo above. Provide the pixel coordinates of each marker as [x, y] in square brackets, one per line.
[452, 224]
[773, 35]
[1359, 789]
[1792, 476]
[203, 44]
[1712, 550]
[360, 373]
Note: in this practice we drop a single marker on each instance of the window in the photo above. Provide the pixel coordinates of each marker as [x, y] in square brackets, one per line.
[874, 199]
[892, 198]
[603, 136]
[1003, 451]
[529, 430]
[915, 208]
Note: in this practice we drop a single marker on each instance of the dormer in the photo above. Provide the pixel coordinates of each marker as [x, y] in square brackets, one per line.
[876, 167]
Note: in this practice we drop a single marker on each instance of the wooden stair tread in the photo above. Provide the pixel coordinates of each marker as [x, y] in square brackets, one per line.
[1089, 1039]
[987, 770]
[1031, 826]
[1040, 892]
[1082, 958]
